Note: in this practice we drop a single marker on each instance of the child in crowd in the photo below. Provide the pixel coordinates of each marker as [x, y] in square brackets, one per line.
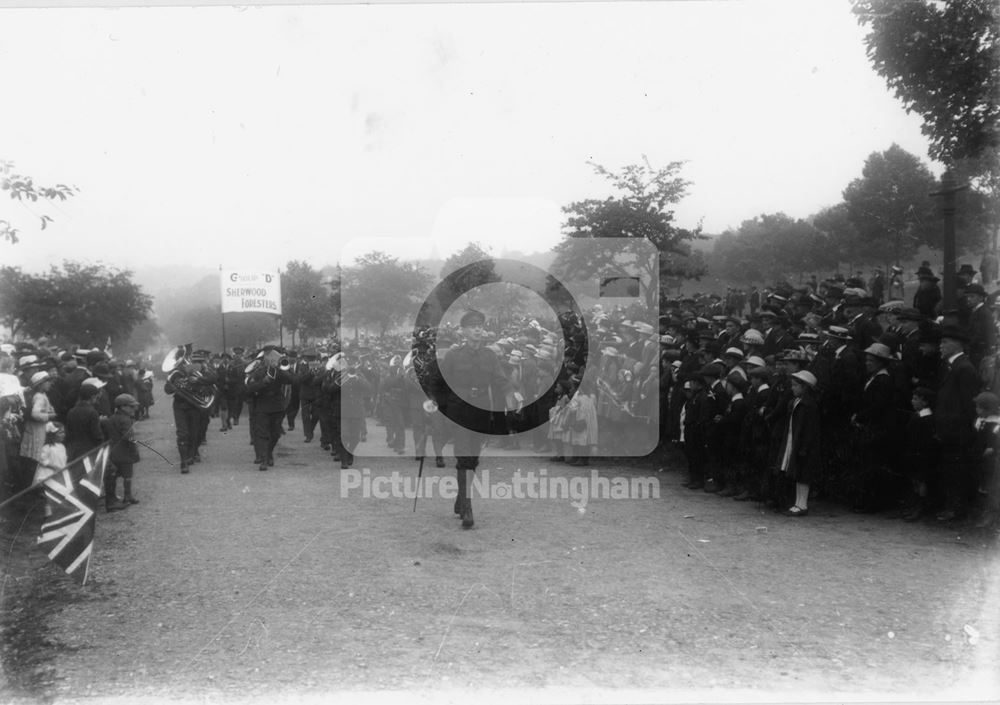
[124, 452]
[557, 423]
[986, 450]
[922, 455]
[53, 456]
[583, 423]
[800, 458]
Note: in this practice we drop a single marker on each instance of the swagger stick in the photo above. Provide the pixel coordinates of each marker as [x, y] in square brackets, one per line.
[155, 451]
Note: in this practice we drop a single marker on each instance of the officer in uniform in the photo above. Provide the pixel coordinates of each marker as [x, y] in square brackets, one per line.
[471, 386]
[310, 382]
[235, 390]
[298, 368]
[201, 357]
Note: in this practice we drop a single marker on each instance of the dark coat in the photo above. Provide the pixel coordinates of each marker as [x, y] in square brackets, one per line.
[955, 412]
[118, 429]
[697, 419]
[83, 430]
[982, 334]
[806, 461]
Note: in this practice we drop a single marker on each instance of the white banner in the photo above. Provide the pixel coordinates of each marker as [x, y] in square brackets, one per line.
[258, 292]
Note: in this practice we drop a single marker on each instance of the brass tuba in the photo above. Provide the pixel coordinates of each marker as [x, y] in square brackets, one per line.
[189, 386]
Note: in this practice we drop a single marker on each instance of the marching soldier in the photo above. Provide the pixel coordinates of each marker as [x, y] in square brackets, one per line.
[298, 368]
[195, 380]
[310, 389]
[264, 384]
[355, 390]
[472, 372]
[234, 389]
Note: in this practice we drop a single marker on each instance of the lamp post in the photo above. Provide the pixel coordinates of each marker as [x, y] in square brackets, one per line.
[947, 194]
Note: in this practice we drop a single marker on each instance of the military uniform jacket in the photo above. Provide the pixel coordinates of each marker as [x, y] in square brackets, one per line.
[267, 391]
[310, 385]
[355, 389]
[470, 373]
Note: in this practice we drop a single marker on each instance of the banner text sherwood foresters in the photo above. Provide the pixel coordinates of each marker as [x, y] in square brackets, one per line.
[516, 485]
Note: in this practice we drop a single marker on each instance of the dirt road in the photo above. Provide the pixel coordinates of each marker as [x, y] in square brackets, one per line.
[234, 584]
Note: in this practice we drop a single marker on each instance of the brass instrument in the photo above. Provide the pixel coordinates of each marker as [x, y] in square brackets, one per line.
[337, 363]
[189, 385]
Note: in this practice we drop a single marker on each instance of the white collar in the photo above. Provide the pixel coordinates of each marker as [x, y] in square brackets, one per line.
[738, 395]
[992, 419]
[763, 387]
[839, 350]
[924, 412]
[951, 360]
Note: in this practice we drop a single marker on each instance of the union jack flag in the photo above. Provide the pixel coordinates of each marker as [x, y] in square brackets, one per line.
[73, 496]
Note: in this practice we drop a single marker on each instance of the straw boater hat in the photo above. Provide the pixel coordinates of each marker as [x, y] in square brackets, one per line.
[755, 361]
[838, 332]
[752, 337]
[39, 377]
[806, 377]
[879, 351]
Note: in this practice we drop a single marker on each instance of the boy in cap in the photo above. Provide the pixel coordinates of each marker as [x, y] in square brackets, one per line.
[922, 455]
[733, 436]
[696, 419]
[124, 452]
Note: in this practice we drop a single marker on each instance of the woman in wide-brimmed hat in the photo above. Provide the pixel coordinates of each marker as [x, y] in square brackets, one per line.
[39, 411]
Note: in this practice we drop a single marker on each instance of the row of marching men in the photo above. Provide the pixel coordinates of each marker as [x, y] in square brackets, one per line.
[329, 388]
[905, 422]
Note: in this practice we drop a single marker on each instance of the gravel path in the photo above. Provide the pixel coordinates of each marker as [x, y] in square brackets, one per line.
[238, 585]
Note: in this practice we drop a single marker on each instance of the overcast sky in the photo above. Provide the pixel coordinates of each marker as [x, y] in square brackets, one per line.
[246, 138]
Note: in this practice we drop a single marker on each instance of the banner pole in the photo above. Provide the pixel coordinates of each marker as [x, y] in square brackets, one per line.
[221, 312]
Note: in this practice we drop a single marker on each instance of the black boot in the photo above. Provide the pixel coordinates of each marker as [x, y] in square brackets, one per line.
[111, 502]
[129, 499]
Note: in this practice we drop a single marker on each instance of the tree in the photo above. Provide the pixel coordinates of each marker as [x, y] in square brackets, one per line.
[380, 290]
[83, 304]
[891, 208]
[769, 248]
[842, 237]
[481, 270]
[22, 188]
[640, 211]
[305, 302]
[942, 59]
